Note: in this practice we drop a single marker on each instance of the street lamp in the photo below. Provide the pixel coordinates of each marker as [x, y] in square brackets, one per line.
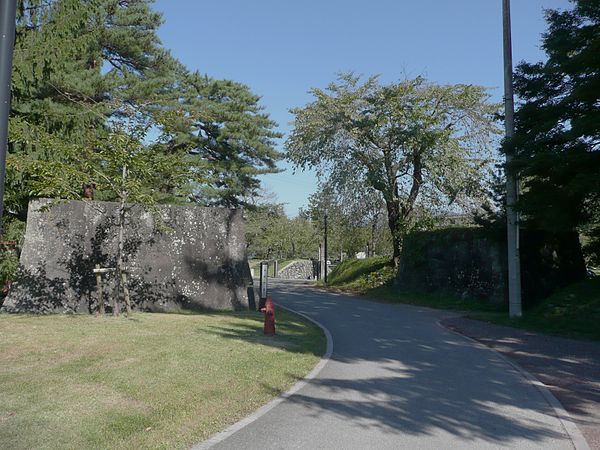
[325, 249]
[512, 218]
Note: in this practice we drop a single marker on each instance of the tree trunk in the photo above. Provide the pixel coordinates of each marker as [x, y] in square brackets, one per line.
[121, 279]
[120, 254]
[373, 229]
[394, 222]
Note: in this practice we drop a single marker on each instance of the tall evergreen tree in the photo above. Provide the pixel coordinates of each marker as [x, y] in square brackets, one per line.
[230, 137]
[557, 141]
[83, 67]
[78, 66]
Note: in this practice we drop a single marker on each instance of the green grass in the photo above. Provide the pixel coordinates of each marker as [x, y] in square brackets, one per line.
[361, 275]
[152, 381]
[255, 264]
[393, 294]
[571, 312]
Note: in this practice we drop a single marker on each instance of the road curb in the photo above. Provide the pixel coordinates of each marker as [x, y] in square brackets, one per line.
[560, 412]
[221, 436]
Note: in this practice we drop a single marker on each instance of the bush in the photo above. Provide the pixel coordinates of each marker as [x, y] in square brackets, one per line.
[9, 255]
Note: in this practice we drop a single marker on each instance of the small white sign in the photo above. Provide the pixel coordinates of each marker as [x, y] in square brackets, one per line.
[264, 270]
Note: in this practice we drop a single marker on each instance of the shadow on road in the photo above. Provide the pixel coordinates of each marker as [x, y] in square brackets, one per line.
[394, 369]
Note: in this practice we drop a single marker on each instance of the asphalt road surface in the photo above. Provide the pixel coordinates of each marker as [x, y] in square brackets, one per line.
[397, 379]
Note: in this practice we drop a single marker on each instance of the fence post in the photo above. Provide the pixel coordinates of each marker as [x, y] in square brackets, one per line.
[100, 293]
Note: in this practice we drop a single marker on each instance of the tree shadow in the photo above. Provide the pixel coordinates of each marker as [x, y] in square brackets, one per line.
[570, 368]
[393, 369]
[167, 270]
[289, 334]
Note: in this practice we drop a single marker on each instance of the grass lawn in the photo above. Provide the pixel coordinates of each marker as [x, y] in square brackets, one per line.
[571, 312]
[151, 381]
[361, 275]
[255, 264]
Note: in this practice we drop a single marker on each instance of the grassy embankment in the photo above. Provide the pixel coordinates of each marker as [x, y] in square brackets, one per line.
[255, 264]
[152, 381]
[572, 312]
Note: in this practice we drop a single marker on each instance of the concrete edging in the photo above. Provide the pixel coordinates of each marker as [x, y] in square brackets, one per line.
[221, 436]
[560, 412]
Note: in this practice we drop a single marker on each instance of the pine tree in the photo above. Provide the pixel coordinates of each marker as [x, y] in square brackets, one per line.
[557, 142]
[85, 67]
[230, 137]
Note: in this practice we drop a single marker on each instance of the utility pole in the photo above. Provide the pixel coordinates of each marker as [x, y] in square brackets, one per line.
[8, 14]
[512, 217]
[325, 250]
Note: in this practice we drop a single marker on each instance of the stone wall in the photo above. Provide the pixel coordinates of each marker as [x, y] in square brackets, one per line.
[297, 270]
[471, 262]
[178, 258]
[460, 262]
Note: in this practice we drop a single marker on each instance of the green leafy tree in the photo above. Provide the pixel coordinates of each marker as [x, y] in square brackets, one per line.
[359, 213]
[13, 231]
[77, 62]
[260, 224]
[82, 66]
[78, 66]
[346, 230]
[231, 137]
[412, 141]
[270, 234]
[557, 141]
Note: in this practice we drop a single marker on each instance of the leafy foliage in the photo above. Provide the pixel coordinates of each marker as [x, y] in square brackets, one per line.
[230, 137]
[90, 76]
[271, 234]
[13, 230]
[355, 218]
[414, 142]
[557, 141]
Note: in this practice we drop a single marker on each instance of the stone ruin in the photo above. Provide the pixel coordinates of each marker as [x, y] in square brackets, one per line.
[177, 258]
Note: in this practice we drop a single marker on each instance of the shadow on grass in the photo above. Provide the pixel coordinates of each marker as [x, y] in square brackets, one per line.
[293, 334]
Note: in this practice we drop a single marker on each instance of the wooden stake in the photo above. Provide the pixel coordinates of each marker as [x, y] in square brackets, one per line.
[126, 293]
[115, 303]
[100, 293]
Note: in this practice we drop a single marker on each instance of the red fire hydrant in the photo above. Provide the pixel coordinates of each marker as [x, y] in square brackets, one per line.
[269, 312]
[5, 289]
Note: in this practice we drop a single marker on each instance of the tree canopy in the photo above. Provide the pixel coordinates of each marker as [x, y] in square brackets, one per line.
[557, 141]
[87, 71]
[422, 146]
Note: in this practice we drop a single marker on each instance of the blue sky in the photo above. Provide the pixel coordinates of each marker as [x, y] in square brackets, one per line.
[282, 48]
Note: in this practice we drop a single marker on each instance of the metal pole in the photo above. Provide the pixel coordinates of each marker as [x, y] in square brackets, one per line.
[264, 276]
[325, 250]
[8, 14]
[514, 263]
[320, 265]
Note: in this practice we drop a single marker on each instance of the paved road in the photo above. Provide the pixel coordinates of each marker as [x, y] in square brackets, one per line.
[396, 379]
